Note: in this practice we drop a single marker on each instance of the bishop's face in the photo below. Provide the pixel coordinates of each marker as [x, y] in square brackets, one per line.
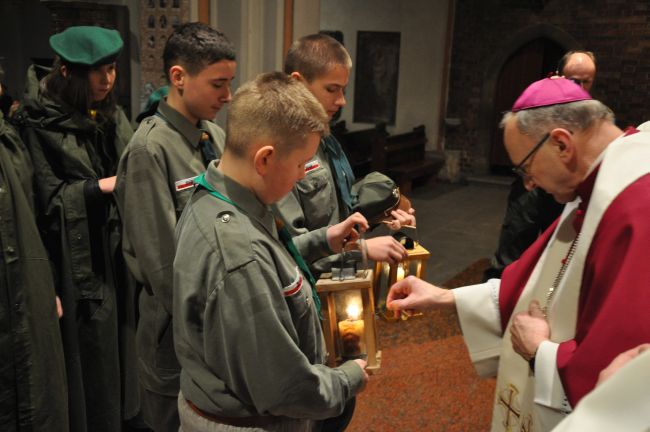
[543, 167]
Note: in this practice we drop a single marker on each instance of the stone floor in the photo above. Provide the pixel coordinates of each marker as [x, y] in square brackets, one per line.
[425, 367]
[458, 224]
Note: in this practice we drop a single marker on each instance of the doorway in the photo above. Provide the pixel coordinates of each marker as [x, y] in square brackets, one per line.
[531, 62]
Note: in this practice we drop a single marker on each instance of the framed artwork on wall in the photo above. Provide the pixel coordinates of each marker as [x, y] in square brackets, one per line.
[377, 71]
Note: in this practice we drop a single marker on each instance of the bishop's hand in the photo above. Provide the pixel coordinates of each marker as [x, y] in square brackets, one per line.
[528, 330]
[411, 294]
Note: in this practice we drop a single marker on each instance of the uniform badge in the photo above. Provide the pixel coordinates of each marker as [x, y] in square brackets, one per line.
[294, 286]
[312, 165]
[187, 183]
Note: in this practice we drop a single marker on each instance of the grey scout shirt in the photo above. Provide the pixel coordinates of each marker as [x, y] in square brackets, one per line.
[311, 207]
[154, 182]
[247, 333]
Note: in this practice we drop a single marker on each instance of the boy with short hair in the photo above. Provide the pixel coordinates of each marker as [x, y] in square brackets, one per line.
[154, 182]
[246, 320]
[324, 196]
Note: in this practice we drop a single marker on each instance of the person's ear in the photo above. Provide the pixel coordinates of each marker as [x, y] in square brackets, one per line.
[298, 76]
[64, 71]
[563, 141]
[177, 76]
[263, 158]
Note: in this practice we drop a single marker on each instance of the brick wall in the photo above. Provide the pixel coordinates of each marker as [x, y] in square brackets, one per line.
[617, 31]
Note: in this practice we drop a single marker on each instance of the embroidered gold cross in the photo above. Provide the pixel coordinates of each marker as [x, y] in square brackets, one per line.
[507, 398]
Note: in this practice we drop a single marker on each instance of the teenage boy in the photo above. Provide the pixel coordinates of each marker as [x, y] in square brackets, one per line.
[154, 182]
[324, 196]
[246, 319]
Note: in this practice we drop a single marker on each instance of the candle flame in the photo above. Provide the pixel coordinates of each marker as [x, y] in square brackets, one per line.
[354, 311]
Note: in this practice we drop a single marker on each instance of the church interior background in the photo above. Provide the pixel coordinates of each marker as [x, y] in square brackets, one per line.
[456, 66]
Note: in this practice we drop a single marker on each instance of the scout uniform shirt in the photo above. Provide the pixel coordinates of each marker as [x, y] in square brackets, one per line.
[313, 205]
[247, 334]
[154, 181]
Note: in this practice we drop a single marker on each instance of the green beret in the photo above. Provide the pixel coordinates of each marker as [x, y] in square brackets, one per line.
[87, 45]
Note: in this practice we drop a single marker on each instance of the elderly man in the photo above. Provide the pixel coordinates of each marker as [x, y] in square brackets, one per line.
[530, 212]
[579, 67]
[579, 295]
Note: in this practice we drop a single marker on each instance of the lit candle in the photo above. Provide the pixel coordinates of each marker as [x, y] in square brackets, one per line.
[351, 332]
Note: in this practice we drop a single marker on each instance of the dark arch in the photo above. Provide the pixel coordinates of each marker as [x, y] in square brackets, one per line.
[494, 66]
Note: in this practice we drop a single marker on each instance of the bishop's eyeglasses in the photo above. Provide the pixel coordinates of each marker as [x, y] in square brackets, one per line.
[519, 169]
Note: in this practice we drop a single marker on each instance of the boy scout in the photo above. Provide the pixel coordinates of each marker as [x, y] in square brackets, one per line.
[246, 321]
[323, 197]
[155, 181]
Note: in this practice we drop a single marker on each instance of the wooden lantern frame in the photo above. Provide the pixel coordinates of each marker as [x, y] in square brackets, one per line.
[419, 255]
[327, 289]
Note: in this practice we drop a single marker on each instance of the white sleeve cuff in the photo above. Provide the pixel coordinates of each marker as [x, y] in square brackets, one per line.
[480, 321]
[549, 390]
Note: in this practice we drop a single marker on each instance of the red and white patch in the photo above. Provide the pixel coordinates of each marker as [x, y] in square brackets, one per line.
[184, 184]
[312, 165]
[295, 286]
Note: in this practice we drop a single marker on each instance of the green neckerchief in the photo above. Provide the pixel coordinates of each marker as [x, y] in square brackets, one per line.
[283, 233]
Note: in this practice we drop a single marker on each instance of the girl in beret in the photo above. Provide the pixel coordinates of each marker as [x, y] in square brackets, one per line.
[75, 133]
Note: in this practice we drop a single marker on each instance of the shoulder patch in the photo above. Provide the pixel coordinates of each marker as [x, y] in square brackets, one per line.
[312, 165]
[184, 184]
[295, 285]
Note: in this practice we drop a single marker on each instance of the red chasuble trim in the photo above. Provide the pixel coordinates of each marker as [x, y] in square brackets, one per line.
[615, 294]
[516, 275]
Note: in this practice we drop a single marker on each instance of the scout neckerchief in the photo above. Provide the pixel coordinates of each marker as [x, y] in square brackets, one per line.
[205, 144]
[343, 174]
[207, 151]
[283, 233]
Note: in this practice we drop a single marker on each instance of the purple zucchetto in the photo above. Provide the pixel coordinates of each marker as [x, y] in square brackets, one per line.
[550, 91]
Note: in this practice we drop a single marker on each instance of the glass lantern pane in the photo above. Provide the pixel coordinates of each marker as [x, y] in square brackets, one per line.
[350, 335]
[383, 284]
[413, 267]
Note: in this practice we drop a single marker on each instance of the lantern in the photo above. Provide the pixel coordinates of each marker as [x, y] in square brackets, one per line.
[386, 275]
[349, 319]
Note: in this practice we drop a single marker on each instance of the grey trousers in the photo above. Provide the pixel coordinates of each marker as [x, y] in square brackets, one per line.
[192, 422]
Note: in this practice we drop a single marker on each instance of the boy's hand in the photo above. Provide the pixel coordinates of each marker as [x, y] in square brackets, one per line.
[387, 249]
[59, 308]
[107, 185]
[363, 364]
[401, 218]
[411, 294]
[345, 232]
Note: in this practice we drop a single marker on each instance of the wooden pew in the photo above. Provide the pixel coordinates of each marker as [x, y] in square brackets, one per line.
[402, 157]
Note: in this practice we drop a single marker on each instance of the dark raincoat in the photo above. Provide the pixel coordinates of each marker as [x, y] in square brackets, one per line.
[81, 230]
[33, 393]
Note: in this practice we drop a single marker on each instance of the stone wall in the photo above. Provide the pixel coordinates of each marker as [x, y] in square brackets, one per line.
[486, 32]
